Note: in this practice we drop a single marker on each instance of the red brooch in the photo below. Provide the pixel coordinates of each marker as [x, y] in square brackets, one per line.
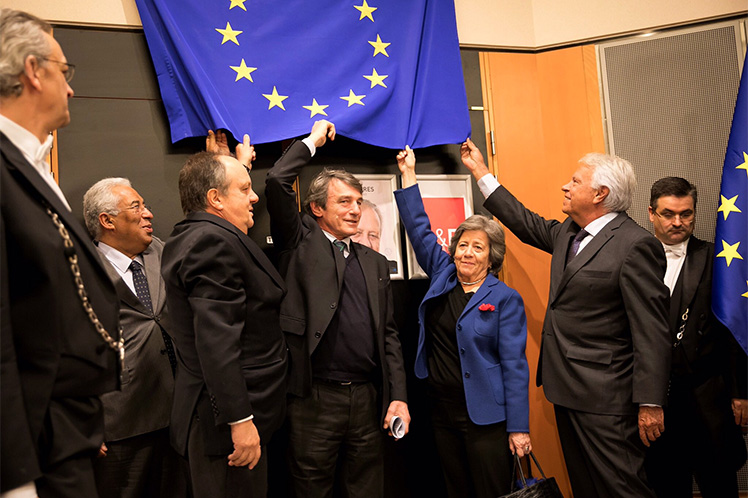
[486, 307]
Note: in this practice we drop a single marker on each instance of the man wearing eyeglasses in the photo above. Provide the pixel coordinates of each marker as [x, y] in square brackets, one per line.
[136, 459]
[707, 395]
[60, 344]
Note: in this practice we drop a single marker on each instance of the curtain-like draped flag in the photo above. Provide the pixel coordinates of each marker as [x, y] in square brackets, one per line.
[730, 281]
[386, 72]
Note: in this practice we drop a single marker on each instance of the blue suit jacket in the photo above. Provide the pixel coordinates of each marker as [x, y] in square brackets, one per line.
[491, 343]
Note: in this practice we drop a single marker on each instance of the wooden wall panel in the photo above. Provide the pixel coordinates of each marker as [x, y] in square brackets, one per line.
[545, 113]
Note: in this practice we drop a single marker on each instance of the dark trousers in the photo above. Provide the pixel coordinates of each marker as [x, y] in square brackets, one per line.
[142, 466]
[475, 459]
[72, 433]
[700, 440]
[212, 477]
[603, 453]
[337, 426]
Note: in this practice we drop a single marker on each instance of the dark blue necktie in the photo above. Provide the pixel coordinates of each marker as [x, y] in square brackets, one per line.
[574, 249]
[144, 295]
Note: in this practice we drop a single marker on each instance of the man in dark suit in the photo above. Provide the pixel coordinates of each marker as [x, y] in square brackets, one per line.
[338, 321]
[136, 459]
[59, 332]
[707, 395]
[604, 359]
[224, 298]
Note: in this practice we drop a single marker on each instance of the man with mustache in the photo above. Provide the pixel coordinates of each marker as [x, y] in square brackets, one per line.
[707, 396]
[136, 458]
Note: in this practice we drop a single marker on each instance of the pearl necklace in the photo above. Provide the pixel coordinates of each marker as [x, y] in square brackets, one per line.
[473, 283]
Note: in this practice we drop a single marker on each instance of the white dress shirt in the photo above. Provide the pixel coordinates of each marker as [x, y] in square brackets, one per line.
[34, 151]
[488, 184]
[121, 263]
[676, 256]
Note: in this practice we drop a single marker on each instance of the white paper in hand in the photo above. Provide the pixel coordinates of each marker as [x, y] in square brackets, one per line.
[397, 427]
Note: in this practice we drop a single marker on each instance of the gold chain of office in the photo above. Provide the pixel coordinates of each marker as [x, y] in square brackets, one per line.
[118, 346]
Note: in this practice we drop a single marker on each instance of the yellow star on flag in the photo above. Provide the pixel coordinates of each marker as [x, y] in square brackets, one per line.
[243, 71]
[744, 165]
[379, 47]
[275, 99]
[745, 294]
[365, 11]
[376, 79]
[352, 98]
[729, 252]
[315, 108]
[728, 206]
[229, 34]
[238, 3]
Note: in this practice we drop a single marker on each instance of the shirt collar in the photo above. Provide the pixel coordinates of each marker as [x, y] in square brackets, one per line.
[117, 258]
[33, 150]
[594, 226]
[332, 238]
[676, 250]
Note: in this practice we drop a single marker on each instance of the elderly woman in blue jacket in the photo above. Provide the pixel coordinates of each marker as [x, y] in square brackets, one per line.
[471, 348]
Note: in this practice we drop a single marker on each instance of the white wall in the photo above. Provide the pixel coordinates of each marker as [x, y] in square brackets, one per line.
[480, 23]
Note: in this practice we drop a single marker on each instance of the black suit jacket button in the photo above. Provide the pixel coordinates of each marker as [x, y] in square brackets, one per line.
[332, 305]
[459, 327]
[317, 335]
[462, 350]
[467, 375]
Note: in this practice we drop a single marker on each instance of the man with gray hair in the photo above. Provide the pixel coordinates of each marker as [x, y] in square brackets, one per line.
[60, 343]
[347, 379]
[605, 351]
[136, 458]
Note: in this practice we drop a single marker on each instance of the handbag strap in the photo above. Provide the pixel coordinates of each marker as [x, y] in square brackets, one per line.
[537, 464]
[518, 466]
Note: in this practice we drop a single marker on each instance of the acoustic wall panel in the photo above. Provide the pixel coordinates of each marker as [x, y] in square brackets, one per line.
[669, 100]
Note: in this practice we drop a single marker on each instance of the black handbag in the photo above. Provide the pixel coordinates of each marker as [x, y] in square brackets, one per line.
[544, 487]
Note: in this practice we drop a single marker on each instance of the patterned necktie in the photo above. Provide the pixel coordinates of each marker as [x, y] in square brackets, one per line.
[144, 295]
[340, 245]
[574, 249]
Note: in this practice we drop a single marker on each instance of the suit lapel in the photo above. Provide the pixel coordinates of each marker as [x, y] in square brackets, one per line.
[590, 250]
[152, 267]
[369, 268]
[558, 263]
[254, 251]
[21, 166]
[123, 291]
[481, 294]
[692, 271]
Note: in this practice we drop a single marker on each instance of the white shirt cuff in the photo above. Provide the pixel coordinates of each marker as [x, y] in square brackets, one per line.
[242, 420]
[487, 184]
[310, 145]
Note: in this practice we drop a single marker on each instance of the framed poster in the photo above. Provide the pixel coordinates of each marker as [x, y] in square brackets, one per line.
[379, 227]
[448, 200]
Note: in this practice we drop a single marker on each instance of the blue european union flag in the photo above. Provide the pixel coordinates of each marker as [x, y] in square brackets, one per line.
[386, 72]
[730, 281]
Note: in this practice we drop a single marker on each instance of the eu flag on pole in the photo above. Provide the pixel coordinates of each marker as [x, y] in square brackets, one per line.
[730, 281]
[386, 72]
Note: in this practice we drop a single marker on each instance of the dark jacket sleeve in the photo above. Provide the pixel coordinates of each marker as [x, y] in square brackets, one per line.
[530, 227]
[212, 277]
[286, 227]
